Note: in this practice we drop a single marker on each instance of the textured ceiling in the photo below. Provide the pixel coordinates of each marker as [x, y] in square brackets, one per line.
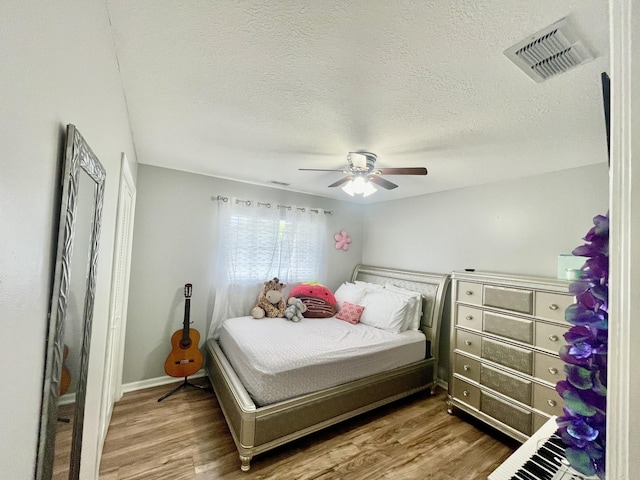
[254, 90]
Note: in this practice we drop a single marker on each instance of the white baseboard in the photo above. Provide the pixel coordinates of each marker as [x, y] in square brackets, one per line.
[442, 383]
[156, 382]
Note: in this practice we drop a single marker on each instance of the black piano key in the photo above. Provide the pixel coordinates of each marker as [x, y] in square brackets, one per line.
[545, 465]
[535, 469]
[550, 454]
[559, 450]
[551, 466]
[557, 441]
[522, 475]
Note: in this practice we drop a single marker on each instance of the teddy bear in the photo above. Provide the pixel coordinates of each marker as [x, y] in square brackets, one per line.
[270, 302]
[295, 309]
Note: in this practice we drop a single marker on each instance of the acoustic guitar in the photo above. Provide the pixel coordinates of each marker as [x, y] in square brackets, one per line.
[185, 358]
[65, 376]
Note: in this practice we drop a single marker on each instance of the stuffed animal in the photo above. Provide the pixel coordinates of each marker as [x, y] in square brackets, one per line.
[270, 302]
[295, 309]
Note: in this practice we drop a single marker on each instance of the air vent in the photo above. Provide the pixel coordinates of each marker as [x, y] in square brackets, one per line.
[280, 184]
[549, 52]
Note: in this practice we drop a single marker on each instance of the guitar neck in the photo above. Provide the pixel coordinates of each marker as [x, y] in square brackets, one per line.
[185, 326]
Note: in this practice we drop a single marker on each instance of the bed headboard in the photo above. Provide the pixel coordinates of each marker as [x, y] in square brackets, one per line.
[432, 287]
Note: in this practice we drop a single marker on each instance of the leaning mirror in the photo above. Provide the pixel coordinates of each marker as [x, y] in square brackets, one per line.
[71, 312]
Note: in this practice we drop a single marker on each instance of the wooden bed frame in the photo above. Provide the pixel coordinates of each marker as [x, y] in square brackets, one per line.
[258, 429]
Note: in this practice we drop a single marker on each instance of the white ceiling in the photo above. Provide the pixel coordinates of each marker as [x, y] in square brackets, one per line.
[253, 90]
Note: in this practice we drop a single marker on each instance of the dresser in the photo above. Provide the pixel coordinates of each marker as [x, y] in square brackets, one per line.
[505, 336]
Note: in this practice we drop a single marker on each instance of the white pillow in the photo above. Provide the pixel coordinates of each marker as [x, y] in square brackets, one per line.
[414, 311]
[384, 310]
[368, 285]
[349, 292]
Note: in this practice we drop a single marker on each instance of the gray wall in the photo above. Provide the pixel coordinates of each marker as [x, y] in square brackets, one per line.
[519, 227]
[174, 243]
[58, 67]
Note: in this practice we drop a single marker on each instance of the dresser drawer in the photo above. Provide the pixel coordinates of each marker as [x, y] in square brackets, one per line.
[513, 299]
[467, 367]
[547, 400]
[517, 358]
[519, 329]
[514, 387]
[468, 342]
[516, 417]
[548, 368]
[550, 337]
[469, 317]
[551, 306]
[467, 393]
[469, 292]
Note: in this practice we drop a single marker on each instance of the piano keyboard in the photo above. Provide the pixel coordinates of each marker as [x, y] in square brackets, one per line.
[539, 458]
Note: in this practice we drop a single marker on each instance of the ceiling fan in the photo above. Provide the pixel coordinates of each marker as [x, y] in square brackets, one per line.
[361, 171]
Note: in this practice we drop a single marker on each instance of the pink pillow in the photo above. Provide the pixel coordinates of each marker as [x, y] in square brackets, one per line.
[350, 312]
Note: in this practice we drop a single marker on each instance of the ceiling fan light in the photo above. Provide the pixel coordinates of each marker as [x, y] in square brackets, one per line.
[348, 188]
[369, 189]
[359, 185]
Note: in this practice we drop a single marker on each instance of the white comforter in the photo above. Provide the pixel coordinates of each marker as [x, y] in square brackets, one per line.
[277, 359]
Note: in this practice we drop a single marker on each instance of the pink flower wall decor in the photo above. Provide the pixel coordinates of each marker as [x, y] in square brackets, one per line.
[342, 240]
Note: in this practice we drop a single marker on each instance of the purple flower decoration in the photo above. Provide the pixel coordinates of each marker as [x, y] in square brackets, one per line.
[583, 425]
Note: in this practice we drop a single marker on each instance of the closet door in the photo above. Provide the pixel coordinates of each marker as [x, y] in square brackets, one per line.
[112, 386]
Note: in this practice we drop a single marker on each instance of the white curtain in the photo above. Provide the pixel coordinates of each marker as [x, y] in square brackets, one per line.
[257, 242]
[303, 245]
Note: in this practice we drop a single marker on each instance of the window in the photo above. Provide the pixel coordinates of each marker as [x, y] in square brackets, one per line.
[257, 242]
[262, 244]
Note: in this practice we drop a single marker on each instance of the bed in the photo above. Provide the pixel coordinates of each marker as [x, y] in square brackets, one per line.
[262, 420]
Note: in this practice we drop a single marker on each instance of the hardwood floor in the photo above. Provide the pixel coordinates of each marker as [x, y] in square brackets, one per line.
[64, 429]
[186, 437]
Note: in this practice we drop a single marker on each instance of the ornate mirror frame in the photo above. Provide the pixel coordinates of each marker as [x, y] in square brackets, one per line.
[80, 165]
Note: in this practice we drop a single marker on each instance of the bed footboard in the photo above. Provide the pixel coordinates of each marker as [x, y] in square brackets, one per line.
[258, 429]
[235, 402]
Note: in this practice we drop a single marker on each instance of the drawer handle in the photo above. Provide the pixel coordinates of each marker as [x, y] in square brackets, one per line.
[551, 403]
[466, 368]
[553, 371]
[469, 292]
[466, 393]
[469, 317]
[553, 338]
[553, 306]
[467, 342]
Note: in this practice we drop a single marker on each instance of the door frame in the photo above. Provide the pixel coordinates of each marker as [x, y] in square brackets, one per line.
[623, 411]
[121, 268]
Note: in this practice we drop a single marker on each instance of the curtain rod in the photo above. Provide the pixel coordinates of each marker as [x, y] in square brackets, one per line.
[268, 205]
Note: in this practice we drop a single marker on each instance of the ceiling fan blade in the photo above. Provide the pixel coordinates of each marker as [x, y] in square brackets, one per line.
[321, 170]
[402, 171]
[341, 181]
[382, 182]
